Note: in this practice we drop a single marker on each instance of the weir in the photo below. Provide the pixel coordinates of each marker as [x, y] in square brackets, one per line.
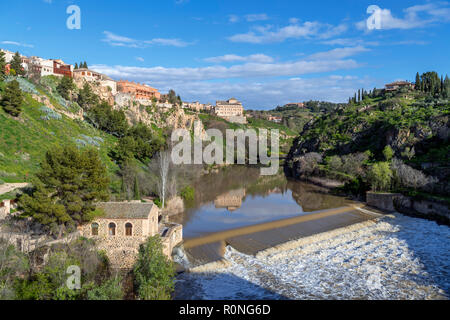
[260, 237]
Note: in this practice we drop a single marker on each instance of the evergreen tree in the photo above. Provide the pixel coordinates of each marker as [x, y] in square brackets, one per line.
[447, 87]
[65, 86]
[418, 85]
[2, 66]
[137, 193]
[76, 66]
[68, 184]
[359, 95]
[12, 99]
[86, 97]
[16, 64]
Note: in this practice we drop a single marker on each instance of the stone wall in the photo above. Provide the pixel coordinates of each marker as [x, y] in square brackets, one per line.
[172, 238]
[383, 201]
[432, 210]
[427, 209]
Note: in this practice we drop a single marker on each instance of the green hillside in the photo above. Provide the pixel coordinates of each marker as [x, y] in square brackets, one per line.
[24, 140]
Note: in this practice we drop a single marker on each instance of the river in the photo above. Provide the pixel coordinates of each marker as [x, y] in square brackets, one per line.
[234, 218]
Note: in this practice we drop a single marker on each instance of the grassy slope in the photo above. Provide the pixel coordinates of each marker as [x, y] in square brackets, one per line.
[23, 141]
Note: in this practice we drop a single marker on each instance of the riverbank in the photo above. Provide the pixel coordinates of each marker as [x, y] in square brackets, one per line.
[398, 257]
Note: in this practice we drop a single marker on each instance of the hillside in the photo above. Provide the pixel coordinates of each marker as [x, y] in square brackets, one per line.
[345, 143]
[24, 140]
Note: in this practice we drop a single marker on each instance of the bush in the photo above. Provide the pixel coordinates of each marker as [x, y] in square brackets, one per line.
[154, 273]
[188, 193]
[405, 176]
[380, 176]
[309, 163]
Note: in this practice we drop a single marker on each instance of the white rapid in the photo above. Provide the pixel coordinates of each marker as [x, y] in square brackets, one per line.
[397, 257]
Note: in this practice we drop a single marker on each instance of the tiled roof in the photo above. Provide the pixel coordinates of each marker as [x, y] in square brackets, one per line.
[124, 210]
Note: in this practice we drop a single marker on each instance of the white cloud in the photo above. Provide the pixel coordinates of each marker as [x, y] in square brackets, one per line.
[256, 17]
[259, 57]
[247, 70]
[269, 94]
[121, 41]
[140, 59]
[417, 16]
[19, 44]
[338, 53]
[258, 84]
[233, 18]
[294, 30]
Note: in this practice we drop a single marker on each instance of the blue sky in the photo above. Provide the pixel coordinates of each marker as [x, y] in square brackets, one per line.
[265, 53]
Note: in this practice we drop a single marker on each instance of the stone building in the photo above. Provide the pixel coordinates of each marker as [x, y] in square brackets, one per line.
[126, 225]
[399, 85]
[230, 110]
[93, 76]
[140, 91]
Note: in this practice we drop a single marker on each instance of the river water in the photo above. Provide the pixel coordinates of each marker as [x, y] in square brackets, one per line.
[393, 257]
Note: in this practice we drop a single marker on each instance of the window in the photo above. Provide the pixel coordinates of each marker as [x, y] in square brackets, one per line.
[128, 229]
[94, 229]
[112, 229]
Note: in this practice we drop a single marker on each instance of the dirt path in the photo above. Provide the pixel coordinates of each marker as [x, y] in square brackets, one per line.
[8, 187]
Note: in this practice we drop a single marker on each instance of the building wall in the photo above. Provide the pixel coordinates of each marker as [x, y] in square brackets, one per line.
[140, 91]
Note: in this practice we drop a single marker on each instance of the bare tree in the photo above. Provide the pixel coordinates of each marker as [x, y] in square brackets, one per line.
[161, 167]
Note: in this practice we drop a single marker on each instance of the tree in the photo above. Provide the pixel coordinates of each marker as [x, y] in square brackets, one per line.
[16, 64]
[68, 184]
[154, 273]
[2, 66]
[76, 66]
[447, 87]
[388, 153]
[65, 86]
[12, 99]
[137, 193]
[86, 97]
[380, 176]
[103, 117]
[161, 167]
[418, 85]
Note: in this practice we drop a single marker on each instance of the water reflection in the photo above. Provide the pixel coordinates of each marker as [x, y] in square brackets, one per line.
[239, 196]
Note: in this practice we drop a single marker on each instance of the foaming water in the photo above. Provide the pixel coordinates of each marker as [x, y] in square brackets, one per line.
[396, 258]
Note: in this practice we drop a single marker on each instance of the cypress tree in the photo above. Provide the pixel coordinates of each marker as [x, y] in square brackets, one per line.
[418, 85]
[76, 66]
[137, 193]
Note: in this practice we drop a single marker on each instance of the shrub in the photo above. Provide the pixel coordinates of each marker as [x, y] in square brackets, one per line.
[380, 176]
[405, 176]
[154, 272]
[188, 193]
[309, 163]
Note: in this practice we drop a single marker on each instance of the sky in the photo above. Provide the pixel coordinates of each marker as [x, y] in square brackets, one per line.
[264, 53]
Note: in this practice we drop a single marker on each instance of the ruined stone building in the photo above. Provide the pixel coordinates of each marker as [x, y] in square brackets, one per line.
[126, 225]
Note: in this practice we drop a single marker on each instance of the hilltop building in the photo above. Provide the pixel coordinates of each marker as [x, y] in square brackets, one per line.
[230, 110]
[399, 85]
[275, 119]
[62, 69]
[139, 91]
[93, 76]
[126, 225]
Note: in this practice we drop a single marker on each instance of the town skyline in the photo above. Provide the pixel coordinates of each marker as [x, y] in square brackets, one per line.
[265, 57]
